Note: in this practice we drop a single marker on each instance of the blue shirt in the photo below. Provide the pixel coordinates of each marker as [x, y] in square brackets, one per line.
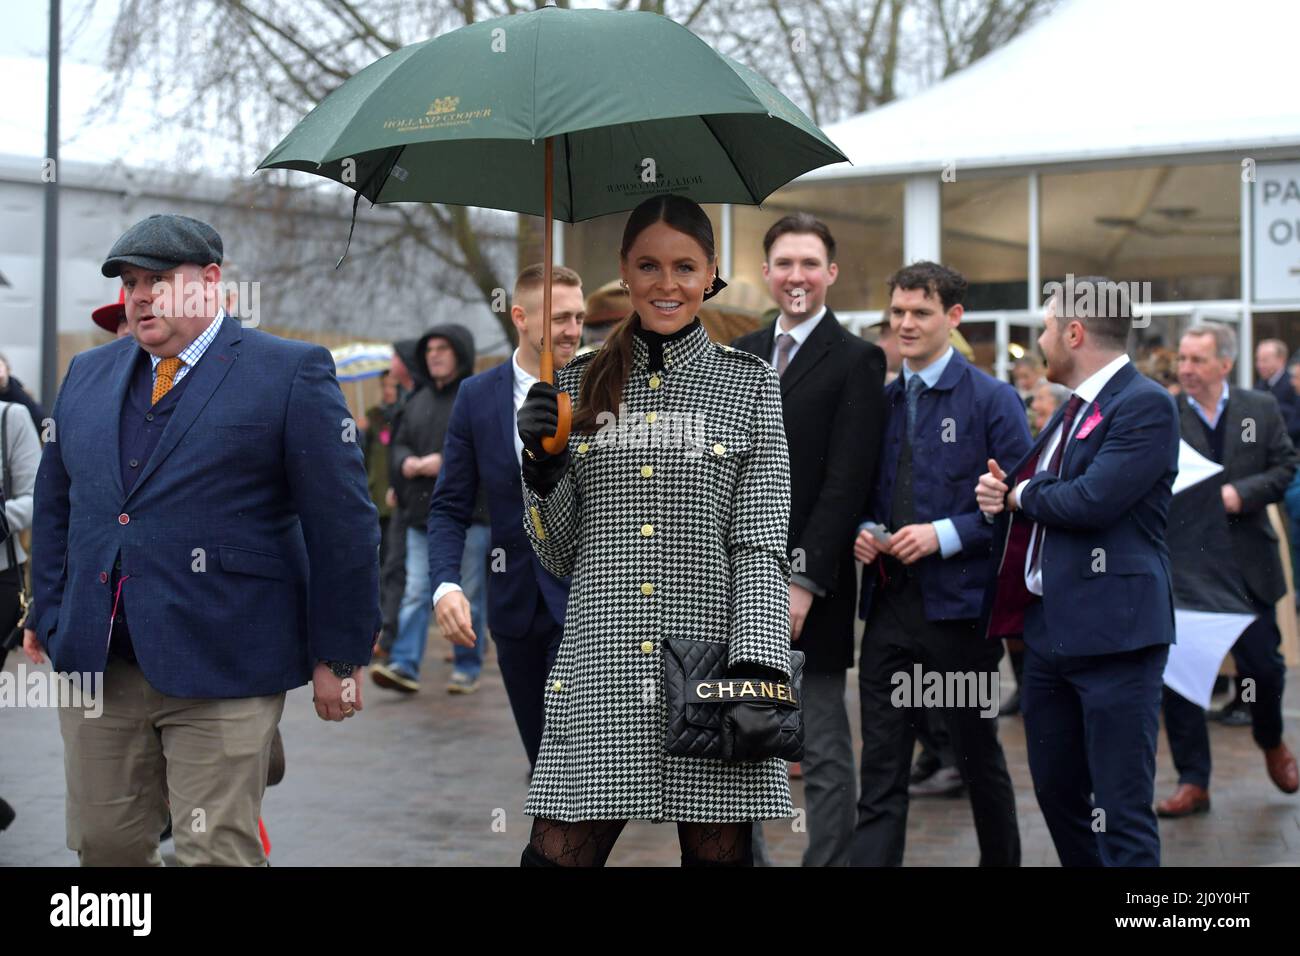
[949, 539]
[931, 373]
[1218, 409]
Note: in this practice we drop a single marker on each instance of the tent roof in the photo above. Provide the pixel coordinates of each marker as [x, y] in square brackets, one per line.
[1097, 80]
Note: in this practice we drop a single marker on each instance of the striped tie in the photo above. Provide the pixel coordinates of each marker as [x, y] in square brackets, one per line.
[162, 384]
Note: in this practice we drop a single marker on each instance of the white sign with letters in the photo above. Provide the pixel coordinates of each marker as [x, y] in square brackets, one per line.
[1277, 232]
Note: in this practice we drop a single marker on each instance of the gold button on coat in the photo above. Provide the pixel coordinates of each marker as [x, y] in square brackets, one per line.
[650, 418]
[647, 471]
[583, 448]
[647, 530]
[655, 381]
[719, 449]
[557, 686]
[647, 647]
[647, 589]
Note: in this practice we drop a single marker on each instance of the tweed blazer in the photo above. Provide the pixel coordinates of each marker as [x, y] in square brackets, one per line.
[672, 519]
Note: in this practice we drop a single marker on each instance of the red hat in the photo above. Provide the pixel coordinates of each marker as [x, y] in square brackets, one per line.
[108, 317]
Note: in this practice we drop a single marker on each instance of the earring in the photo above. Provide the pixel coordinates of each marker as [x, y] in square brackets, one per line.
[622, 284]
[709, 290]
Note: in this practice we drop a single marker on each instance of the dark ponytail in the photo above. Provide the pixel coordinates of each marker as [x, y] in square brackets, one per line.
[602, 384]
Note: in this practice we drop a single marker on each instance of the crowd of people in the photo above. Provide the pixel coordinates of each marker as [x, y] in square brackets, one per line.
[673, 592]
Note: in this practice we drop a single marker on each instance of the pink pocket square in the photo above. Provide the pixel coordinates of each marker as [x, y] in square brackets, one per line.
[1089, 423]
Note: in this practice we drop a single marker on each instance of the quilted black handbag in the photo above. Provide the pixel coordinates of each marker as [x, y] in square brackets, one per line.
[727, 716]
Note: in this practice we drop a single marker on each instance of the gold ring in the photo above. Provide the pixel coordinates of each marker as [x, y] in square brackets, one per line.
[349, 712]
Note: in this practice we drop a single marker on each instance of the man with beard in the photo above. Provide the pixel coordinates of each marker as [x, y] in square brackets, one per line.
[1083, 571]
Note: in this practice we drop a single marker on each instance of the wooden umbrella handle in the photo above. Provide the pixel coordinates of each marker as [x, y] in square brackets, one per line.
[552, 444]
[555, 444]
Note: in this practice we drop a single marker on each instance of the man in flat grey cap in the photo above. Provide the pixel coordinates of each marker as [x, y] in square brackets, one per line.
[221, 549]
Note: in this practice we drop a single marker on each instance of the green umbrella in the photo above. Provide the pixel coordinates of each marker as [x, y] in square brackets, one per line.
[566, 114]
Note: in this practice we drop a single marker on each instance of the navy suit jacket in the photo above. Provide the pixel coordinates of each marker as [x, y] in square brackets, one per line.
[966, 419]
[480, 448]
[1107, 583]
[248, 544]
[1287, 401]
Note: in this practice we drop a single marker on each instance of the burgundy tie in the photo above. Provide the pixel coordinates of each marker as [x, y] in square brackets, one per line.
[1054, 466]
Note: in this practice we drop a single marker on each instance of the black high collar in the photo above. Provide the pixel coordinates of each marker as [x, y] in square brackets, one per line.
[655, 342]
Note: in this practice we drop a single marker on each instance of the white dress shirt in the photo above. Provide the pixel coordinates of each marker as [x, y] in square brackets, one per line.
[523, 382]
[799, 333]
[1088, 390]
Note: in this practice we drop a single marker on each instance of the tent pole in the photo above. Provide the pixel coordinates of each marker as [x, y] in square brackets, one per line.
[1246, 332]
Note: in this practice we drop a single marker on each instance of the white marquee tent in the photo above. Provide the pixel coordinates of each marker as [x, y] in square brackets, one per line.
[1101, 85]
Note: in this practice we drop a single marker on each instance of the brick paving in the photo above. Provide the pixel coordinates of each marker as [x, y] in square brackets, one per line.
[437, 779]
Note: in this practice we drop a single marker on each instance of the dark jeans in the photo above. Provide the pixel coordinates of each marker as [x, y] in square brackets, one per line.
[897, 637]
[525, 663]
[1259, 658]
[392, 574]
[1090, 728]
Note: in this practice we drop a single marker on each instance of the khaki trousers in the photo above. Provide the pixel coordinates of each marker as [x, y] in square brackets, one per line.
[204, 759]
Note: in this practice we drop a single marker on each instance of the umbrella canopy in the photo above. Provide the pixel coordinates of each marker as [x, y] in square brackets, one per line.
[361, 360]
[635, 104]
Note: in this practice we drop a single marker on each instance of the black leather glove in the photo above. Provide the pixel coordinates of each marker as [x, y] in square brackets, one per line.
[754, 731]
[538, 418]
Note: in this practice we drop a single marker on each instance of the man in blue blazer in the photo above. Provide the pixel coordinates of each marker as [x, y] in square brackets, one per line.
[1081, 566]
[203, 538]
[526, 603]
[922, 589]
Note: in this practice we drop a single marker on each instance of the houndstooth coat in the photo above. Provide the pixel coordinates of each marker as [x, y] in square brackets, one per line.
[672, 522]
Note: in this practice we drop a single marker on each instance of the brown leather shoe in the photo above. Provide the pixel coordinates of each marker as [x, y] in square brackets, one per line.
[1282, 768]
[1187, 800]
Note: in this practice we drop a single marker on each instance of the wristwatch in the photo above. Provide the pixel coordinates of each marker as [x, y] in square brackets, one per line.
[340, 669]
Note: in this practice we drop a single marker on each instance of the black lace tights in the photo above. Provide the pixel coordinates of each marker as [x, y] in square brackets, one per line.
[588, 843]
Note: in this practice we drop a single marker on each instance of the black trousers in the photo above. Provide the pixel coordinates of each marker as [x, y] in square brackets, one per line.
[898, 637]
[525, 662]
[9, 603]
[933, 736]
[1259, 658]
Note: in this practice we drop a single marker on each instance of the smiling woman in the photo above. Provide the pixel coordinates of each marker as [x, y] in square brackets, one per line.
[669, 533]
[668, 266]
